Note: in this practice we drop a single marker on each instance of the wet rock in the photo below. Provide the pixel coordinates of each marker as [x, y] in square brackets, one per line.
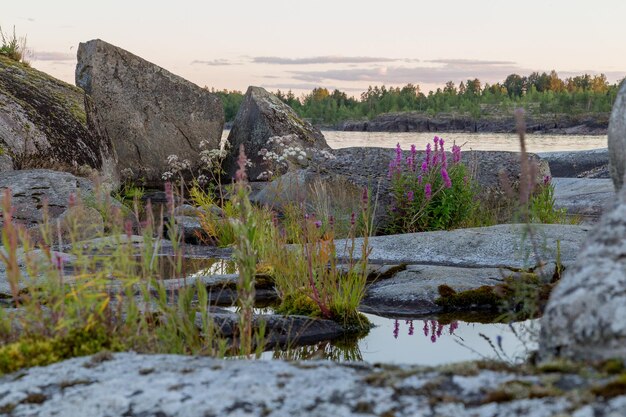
[191, 229]
[141, 385]
[584, 197]
[261, 116]
[43, 124]
[24, 261]
[148, 112]
[617, 139]
[584, 316]
[30, 189]
[501, 246]
[571, 164]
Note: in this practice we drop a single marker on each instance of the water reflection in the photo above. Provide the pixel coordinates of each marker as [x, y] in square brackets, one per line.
[346, 350]
[432, 329]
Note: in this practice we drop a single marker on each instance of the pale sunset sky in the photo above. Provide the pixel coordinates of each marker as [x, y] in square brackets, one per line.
[341, 44]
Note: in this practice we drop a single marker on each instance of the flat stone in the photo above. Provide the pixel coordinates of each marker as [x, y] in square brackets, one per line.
[414, 290]
[571, 164]
[171, 385]
[500, 246]
[583, 196]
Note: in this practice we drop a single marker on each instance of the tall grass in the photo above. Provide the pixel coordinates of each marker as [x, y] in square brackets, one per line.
[13, 47]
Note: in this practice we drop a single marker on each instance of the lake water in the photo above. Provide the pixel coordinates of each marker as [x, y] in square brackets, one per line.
[475, 141]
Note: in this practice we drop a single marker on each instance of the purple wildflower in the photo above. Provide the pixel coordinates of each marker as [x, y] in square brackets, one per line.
[446, 178]
[398, 155]
[318, 223]
[453, 326]
[392, 168]
[428, 190]
[456, 154]
[428, 155]
[411, 328]
[352, 219]
[424, 166]
[396, 329]
[419, 180]
[365, 197]
[411, 158]
[547, 179]
[436, 140]
[410, 195]
[425, 328]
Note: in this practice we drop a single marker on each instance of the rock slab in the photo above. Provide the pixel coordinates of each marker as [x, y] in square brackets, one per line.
[133, 385]
[148, 112]
[586, 197]
[263, 115]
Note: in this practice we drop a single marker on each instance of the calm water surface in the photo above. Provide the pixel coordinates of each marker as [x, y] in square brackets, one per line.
[475, 141]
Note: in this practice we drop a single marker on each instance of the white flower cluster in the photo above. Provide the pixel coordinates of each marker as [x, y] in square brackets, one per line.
[212, 158]
[326, 154]
[176, 166]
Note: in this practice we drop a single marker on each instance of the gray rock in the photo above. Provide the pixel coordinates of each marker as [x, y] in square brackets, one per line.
[571, 164]
[617, 138]
[501, 246]
[584, 316]
[414, 290]
[585, 197]
[25, 261]
[43, 125]
[81, 223]
[263, 115]
[169, 385]
[351, 169]
[148, 112]
[30, 189]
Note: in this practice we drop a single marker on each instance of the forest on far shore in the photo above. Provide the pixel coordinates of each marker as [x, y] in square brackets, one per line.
[539, 93]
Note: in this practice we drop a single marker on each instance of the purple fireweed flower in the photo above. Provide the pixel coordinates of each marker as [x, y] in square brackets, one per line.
[436, 158]
[453, 326]
[425, 328]
[436, 140]
[428, 190]
[428, 155]
[398, 155]
[396, 329]
[446, 178]
[318, 223]
[352, 219]
[419, 179]
[456, 154]
[410, 195]
[365, 197]
[546, 180]
[411, 328]
[424, 166]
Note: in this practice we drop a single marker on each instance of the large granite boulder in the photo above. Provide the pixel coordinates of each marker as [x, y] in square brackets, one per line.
[43, 124]
[261, 116]
[148, 112]
[584, 318]
[617, 139]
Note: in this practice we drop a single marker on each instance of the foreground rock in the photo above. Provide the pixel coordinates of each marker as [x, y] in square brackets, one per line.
[573, 164]
[148, 112]
[584, 317]
[263, 115]
[168, 385]
[43, 125]
[583, 197]
[617, 138]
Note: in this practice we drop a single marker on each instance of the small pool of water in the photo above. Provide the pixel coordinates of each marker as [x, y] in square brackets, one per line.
[425, 342]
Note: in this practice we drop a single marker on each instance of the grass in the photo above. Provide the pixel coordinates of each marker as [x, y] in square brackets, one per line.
[13, 47]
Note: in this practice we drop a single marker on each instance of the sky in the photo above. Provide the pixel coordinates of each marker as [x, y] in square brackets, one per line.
[345, 44]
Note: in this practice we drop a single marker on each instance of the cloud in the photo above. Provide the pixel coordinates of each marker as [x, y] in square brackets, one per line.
[215, 62]
[53, 56]
[274, 60]
[469, 62]
[307, 86]
[444, 70]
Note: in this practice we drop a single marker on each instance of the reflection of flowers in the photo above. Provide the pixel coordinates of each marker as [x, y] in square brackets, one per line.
[432, 329]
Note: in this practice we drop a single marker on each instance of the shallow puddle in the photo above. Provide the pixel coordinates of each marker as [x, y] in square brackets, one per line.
[425, 342]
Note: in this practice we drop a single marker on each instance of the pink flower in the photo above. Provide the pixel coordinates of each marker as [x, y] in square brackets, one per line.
[428, 190]
[318, 223]
[446, 178]
[410, 195]
[456, 154]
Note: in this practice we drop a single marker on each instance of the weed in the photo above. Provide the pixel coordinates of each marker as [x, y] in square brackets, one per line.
[13, 47]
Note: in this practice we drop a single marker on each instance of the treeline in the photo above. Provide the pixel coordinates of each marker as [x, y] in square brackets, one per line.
[543, 93]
